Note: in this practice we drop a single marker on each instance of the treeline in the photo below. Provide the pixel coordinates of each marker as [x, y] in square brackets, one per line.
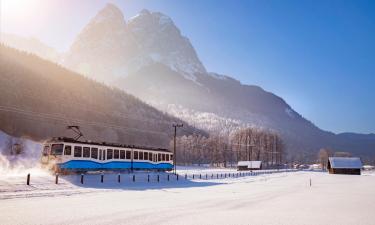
[224, 150]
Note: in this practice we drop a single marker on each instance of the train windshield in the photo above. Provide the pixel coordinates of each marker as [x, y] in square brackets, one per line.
[57, 149]
[46, 150]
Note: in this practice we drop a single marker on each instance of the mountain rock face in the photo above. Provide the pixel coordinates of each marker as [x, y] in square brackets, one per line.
[103, 49]
[109, 48]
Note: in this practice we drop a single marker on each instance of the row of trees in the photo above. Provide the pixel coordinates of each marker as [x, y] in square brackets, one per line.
[240, 145]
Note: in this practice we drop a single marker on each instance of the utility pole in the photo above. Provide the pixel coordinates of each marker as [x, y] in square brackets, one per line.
[246, 148]
[174, 145]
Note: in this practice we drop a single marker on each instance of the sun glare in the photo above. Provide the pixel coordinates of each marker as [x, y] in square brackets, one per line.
[18, 8]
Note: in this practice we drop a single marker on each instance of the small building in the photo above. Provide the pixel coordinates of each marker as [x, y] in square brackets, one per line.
[249, 165]
[344, 165]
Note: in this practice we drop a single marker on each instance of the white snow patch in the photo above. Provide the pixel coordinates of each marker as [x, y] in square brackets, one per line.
[218, 76]
[289, 112]
[164, 20]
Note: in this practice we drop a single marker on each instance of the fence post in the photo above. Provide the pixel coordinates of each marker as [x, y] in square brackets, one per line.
[168, 177]
[28, 179]
[57, 178]
[193, 176]
[206, 176]
[200, 176]
[217, 176]
[212, 176]
[185, 176]
[102, 178]
[133, 178]
[148, 177]
[177, 177]
[118, 178]
[82, 178]
[158, 178]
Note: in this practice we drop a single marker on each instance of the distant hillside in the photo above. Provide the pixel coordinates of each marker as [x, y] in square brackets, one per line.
[39, 99]
[31, 45]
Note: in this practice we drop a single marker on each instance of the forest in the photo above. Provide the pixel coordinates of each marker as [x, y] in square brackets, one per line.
[225, 150]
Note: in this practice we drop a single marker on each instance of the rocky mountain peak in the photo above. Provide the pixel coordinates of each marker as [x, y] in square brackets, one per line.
[162, 42]
[109, 13]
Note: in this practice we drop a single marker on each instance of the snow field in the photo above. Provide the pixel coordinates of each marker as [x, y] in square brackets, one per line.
[280, 198]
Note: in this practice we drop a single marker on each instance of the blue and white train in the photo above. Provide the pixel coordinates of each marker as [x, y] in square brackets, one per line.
[68, 155]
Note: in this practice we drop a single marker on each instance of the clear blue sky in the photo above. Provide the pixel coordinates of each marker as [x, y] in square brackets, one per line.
[318, 55]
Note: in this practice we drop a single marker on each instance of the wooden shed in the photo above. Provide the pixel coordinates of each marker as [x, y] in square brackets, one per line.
[344, 165]
[249, 165]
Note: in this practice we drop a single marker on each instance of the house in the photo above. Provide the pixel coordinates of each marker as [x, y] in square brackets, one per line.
[249, 165]
[344, 165]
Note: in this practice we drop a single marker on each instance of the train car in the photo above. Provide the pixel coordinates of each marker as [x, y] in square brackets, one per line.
[69, 155]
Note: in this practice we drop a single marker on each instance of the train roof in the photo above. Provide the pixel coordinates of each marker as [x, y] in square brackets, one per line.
[71, 140]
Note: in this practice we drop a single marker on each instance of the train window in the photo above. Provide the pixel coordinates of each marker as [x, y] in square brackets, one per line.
[159, 157]
[135, 154]
[128, 154]
[122, 154]
[163, 157]
[167, 157]
[100, 154]
[109, 153]
[146, 156]
[141, 155]
[171, 157]
[116, 154]
[86, 152]
[77, 151]
[94, 153]
[103, 158]
[57, 149]
[68, 150]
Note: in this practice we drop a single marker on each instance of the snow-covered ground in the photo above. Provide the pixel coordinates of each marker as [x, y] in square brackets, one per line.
[279, 198]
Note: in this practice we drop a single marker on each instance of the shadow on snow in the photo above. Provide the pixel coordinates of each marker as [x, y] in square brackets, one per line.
[141, 182]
